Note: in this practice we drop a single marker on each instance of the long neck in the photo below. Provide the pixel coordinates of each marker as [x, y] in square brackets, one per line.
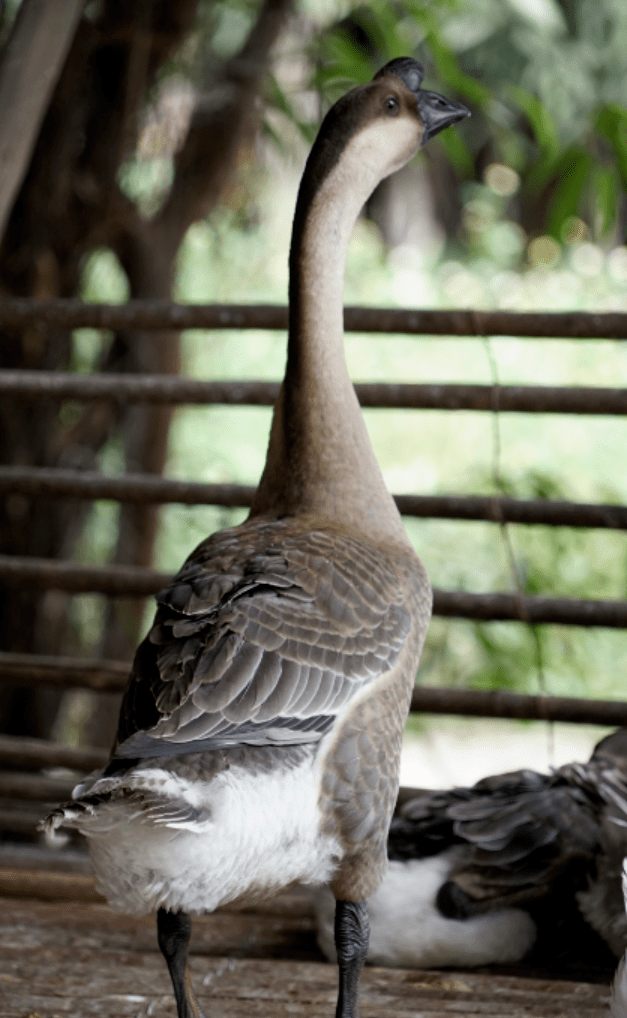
[320, 460]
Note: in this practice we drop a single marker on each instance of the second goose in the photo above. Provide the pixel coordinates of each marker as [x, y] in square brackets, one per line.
[522, 865]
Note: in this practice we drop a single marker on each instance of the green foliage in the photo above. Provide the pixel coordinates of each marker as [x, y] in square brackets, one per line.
[458, 153]
[548, 92]
[450, 72]
[562, 81]
[611, 122]
[604, 184]
[571, 173]
[540, 119]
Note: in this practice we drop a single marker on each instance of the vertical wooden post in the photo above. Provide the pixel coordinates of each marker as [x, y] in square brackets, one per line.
[31, 63]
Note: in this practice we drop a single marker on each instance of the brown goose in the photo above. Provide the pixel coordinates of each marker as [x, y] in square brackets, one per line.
[260, 732]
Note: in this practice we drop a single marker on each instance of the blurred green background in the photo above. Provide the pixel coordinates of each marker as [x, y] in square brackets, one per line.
[522, 207]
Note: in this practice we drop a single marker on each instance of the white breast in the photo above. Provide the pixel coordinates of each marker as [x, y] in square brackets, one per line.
[261, 833]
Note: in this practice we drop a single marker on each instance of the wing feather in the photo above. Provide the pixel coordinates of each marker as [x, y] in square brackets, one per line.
[262, 637]
[516, 833]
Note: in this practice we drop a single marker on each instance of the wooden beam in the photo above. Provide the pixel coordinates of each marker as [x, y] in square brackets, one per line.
[68, 673]
[168, 389]
[155, 315]
[49, 482]
[31, 63]
[139, 581]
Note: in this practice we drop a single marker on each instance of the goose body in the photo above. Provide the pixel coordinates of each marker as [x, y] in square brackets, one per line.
[521, 862]
[260, 732]
[194, 830]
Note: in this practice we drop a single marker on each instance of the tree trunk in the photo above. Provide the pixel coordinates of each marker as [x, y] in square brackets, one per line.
[69, 204]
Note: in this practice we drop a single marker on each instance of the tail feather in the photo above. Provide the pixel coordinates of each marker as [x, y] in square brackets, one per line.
[77, 815]
[112, 804]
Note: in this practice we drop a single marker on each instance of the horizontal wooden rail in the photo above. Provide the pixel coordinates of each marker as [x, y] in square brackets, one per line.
[35, 787]
[44, 482]
[61, 673]
[20, 819]
[36, 754]
[163, 315]
[48, 671]
[31, 857]
[137, 581]
[49, 482]
[533, 610]
[505, 704]
[497, 509]
[383, 395]
[55, 574]
[46, 884]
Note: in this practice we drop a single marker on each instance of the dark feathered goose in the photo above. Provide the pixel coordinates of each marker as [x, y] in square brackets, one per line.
[260, 732]
[523, 860]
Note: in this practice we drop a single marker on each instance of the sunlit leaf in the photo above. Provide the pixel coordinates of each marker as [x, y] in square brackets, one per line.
[458, 152]
[611, 122]
[604, 186]
[277, 99]
[571, 175]
[610, 119]
[449, 71]
[538, 116]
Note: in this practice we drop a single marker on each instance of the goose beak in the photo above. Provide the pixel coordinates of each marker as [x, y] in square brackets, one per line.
[437, 112]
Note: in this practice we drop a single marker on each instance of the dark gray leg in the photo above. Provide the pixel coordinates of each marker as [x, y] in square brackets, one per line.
[352, 932]
[173, 933]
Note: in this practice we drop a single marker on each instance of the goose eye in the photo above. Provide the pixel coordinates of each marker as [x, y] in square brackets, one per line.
[391, 106]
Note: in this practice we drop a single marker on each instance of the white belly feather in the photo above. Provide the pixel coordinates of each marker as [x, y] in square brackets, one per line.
[261, 833]
[408, 931]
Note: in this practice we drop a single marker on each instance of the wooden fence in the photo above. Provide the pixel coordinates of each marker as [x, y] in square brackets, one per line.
[31, 756]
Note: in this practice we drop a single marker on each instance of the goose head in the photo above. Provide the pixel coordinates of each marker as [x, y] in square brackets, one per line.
[435, 111]
[376, 128]
[368, 134]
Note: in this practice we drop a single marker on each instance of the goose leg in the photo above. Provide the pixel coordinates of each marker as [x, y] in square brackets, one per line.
[173, 933]
[352, 931]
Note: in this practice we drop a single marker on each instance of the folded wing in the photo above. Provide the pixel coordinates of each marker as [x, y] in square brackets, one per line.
[262, 639]
[517, 833]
